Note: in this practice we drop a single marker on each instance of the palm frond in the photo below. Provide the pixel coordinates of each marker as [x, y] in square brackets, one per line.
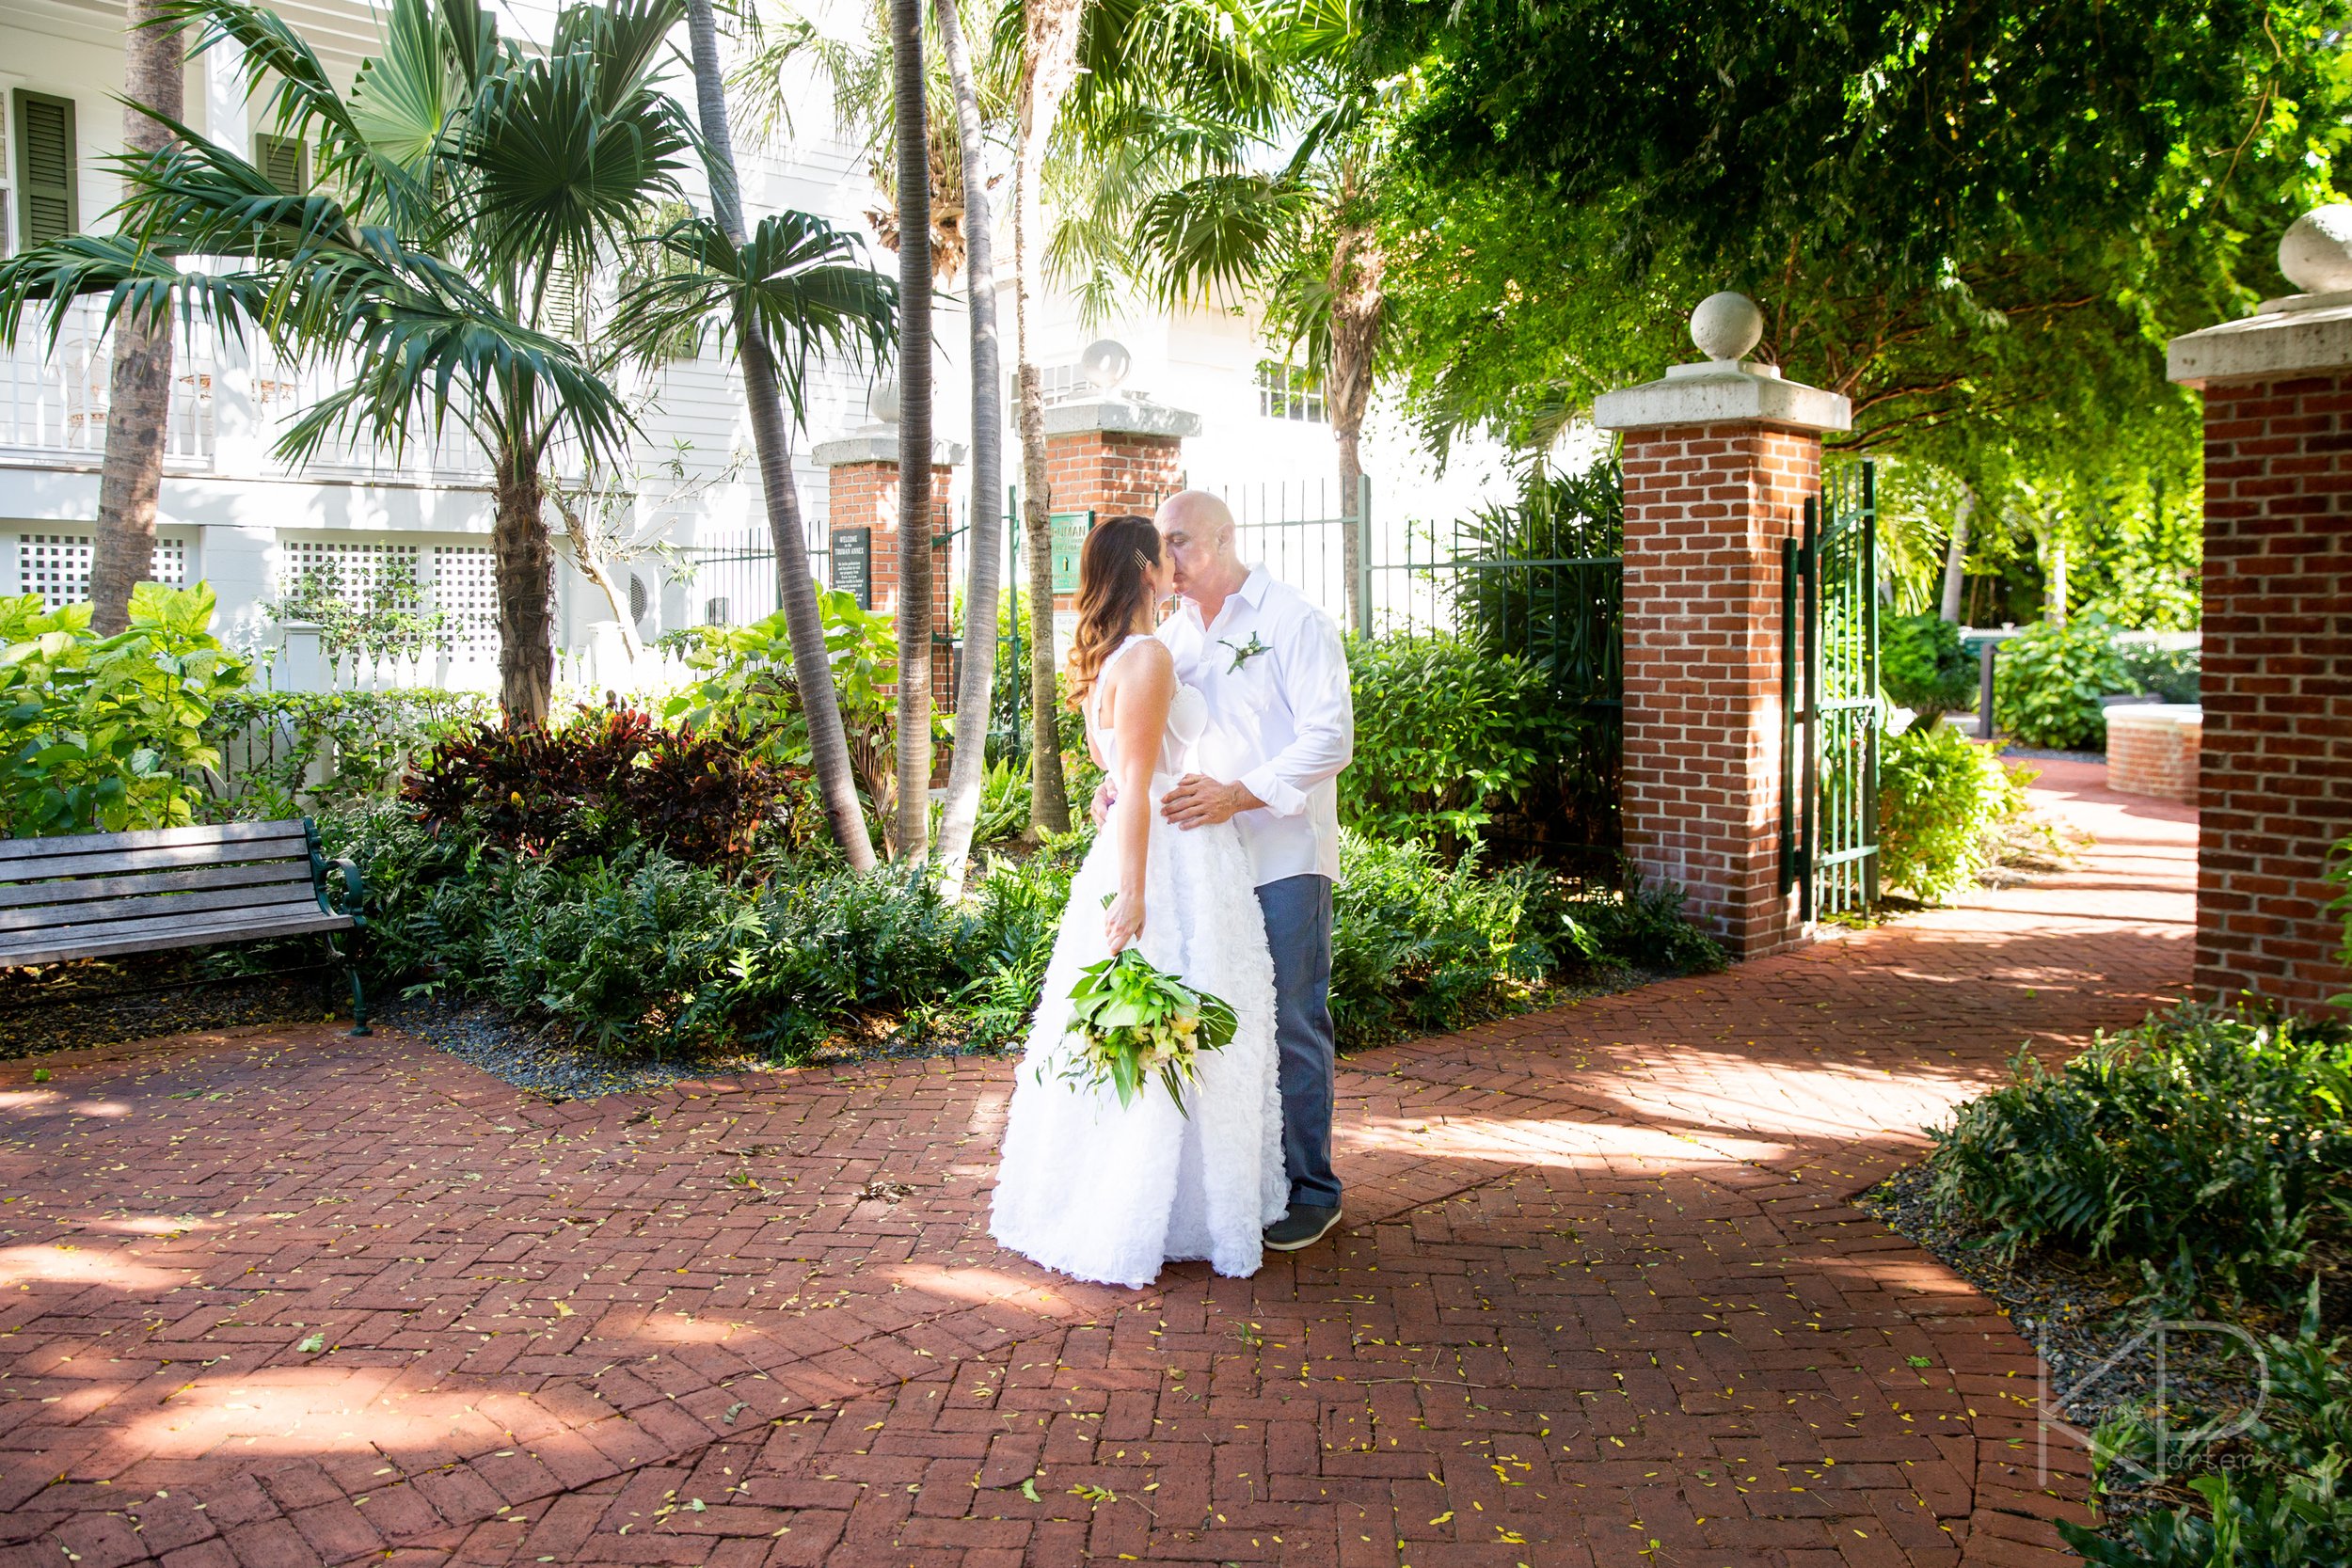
[557, 176]
[795, 278]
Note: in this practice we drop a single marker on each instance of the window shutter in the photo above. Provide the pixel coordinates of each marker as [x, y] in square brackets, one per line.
[48, 178]
[286, 161]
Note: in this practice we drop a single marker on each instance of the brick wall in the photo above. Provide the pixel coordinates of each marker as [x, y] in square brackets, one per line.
[1706, 507]
[2276, 770]
[865, 494]
[1113, 472]
[2152, 752]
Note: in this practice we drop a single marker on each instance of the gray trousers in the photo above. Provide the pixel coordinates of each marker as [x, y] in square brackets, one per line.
[1299, 929]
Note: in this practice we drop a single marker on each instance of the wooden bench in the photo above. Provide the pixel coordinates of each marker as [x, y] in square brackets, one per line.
[110, 895]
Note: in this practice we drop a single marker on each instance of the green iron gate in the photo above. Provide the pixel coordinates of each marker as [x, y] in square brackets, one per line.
[1830, 708]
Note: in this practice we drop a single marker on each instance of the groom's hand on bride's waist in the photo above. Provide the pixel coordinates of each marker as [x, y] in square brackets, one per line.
[1196, 801]
[1105, 796]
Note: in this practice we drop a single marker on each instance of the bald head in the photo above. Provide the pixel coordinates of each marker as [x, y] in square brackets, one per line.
[1196, 531]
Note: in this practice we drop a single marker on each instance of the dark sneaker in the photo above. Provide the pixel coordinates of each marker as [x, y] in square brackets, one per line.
[1303, 1226]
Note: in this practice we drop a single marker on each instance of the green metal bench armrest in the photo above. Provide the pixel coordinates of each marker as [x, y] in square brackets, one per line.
[351, 898]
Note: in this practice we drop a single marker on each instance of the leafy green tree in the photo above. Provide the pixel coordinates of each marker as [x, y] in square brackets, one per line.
[1944, 212]
[467, 188]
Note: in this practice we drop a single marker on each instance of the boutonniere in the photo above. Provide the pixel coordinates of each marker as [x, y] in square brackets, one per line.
[1245, 653]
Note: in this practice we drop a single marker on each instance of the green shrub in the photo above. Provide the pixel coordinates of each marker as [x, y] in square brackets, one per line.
[610, 779]
[1941, 803]
[2207, 1143]
[105, 734]
[625, 955]
[2277, 1497]
[1417, 946]
[746, 685]
[1639, 925]
[2170, 674]
[285, 753]
[1444, 732]
[1923, 667]
[807, 952]
[1020, 915]
[2048, 679]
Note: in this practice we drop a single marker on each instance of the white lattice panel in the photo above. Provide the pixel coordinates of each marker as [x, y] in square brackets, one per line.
[465, 585]
[356, 567]
[56, 566]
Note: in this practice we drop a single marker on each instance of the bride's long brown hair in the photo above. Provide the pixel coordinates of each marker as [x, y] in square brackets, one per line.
[1113, 588]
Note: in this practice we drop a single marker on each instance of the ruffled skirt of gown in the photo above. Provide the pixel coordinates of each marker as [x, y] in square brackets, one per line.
[1108, 1194]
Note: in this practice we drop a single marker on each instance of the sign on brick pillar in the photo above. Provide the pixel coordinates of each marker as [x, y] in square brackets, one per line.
[862, 488]
[1114, 454]
[1718, 458]
[2275, 750]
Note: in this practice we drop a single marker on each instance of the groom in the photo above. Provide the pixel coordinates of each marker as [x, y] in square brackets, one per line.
[1281, 725]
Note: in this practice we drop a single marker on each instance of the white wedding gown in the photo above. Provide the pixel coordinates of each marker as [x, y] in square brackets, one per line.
[1108, 1194]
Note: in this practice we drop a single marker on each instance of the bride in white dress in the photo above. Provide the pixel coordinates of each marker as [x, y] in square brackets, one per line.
[1085, 1186]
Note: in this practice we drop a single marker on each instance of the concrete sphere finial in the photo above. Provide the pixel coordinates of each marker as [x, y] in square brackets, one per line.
[882, 401]
[2315, 253]
[1727, 325]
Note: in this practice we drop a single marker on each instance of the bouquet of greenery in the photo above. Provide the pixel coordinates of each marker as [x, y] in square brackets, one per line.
[1129, 1020]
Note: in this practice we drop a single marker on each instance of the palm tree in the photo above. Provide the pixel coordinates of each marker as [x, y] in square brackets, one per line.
[475, 186]
[1049, 66]
[139, 401]
[914, 430]
[969, 762]
[1179, 193]
[788, 284]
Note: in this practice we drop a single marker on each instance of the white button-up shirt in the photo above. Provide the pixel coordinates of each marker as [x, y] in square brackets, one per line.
[1281, 721]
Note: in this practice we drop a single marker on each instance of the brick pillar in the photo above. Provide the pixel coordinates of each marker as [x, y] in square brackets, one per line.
[2275, 759]
[1719, 459]
[1115, 455]
[862, 473]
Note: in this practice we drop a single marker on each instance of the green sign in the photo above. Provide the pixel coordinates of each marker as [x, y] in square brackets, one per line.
[1070, 534]
[853, 564]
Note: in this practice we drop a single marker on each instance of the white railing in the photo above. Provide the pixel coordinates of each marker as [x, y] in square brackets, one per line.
[53, 395]
[230, 402]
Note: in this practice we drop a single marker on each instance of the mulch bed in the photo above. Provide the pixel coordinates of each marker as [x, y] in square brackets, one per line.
[100, 1002]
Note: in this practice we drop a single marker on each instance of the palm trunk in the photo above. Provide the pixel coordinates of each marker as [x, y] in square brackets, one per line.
[138, 397]
[1956, 555]
[1049, 64]
[912, 127]
[2054, 583]
[829, 751]
[525, 567]
[1356, 298]
[977, 685]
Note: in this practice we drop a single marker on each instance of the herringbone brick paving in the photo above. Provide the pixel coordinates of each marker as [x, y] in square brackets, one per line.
[1601, 1298]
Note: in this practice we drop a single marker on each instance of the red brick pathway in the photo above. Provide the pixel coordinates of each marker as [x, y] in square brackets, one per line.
[288, 1298]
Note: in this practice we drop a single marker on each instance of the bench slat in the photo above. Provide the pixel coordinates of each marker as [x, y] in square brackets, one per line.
[114, 912]
[148, 838]
[160, 934]
[45, 868]
[87, 889]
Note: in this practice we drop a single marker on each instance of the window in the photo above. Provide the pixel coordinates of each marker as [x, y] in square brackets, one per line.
[1061, 384]
[1288, 392]
[286, 161]
[48, 176]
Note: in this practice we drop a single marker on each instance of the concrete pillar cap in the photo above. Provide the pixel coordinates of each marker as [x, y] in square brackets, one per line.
[879, 444]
